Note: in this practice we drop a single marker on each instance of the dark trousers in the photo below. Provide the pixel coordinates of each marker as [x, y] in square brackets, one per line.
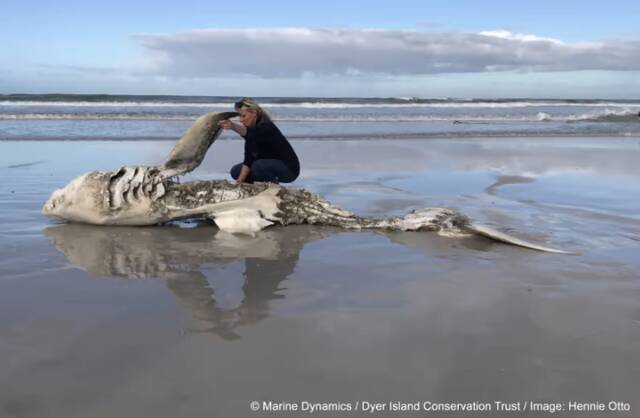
[266, 169]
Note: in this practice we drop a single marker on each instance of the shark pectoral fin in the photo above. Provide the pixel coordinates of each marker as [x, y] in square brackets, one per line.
[494, 234]
[241, 221]
[190, 150]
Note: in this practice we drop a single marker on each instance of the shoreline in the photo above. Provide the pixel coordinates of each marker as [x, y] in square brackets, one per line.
[364, 137]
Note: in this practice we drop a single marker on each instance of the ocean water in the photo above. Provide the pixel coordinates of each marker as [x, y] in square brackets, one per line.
[87, 117]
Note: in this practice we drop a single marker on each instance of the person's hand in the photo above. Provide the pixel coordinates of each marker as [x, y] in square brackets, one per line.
[225, 124]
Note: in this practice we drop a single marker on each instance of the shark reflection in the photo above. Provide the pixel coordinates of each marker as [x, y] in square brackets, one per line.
[177, 256]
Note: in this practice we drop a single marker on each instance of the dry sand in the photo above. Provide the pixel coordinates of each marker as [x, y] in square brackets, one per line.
[191, 322]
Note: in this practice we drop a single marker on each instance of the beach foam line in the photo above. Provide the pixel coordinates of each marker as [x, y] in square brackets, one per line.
[317, 104]
[345, 118]
[551, 134]
[608, 115]
[26, 103]
[95, 116]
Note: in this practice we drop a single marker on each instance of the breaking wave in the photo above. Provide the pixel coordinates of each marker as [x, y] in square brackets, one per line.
[94, 116]
[299, 103]
[607, 115]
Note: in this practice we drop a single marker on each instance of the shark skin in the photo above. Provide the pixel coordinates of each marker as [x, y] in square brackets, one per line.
[149, 195]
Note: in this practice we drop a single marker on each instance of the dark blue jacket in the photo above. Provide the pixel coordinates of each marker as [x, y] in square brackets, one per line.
[266, 141]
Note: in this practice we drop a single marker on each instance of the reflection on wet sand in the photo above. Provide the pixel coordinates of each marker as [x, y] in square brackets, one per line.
[504, 180]
[177, 255]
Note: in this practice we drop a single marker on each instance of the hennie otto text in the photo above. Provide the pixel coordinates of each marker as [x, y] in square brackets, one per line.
[431, 406]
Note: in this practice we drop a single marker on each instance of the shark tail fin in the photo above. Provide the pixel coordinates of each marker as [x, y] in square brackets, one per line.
[494, 234]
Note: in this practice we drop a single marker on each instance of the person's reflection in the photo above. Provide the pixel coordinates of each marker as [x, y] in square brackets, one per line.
[176, 255]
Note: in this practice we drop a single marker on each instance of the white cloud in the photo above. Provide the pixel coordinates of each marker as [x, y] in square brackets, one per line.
[293, 52]
[504, 34]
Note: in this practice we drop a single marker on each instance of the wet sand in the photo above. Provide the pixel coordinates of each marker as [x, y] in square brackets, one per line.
[188, 321]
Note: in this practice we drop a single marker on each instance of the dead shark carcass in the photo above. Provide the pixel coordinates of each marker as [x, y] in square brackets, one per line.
[149, 195]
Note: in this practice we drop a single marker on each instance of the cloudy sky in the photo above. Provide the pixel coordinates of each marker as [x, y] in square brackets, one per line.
[554, 49]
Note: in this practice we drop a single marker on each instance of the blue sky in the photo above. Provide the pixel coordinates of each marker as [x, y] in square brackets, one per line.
[338, 48]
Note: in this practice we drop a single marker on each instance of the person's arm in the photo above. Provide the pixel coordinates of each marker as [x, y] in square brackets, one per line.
[242, 131]
[227, 124]
[244, 172]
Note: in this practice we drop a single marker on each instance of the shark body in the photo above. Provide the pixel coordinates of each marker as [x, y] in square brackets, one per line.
[149, 195]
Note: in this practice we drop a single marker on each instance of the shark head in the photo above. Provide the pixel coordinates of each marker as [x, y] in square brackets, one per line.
[82, 200]
[125, 197]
